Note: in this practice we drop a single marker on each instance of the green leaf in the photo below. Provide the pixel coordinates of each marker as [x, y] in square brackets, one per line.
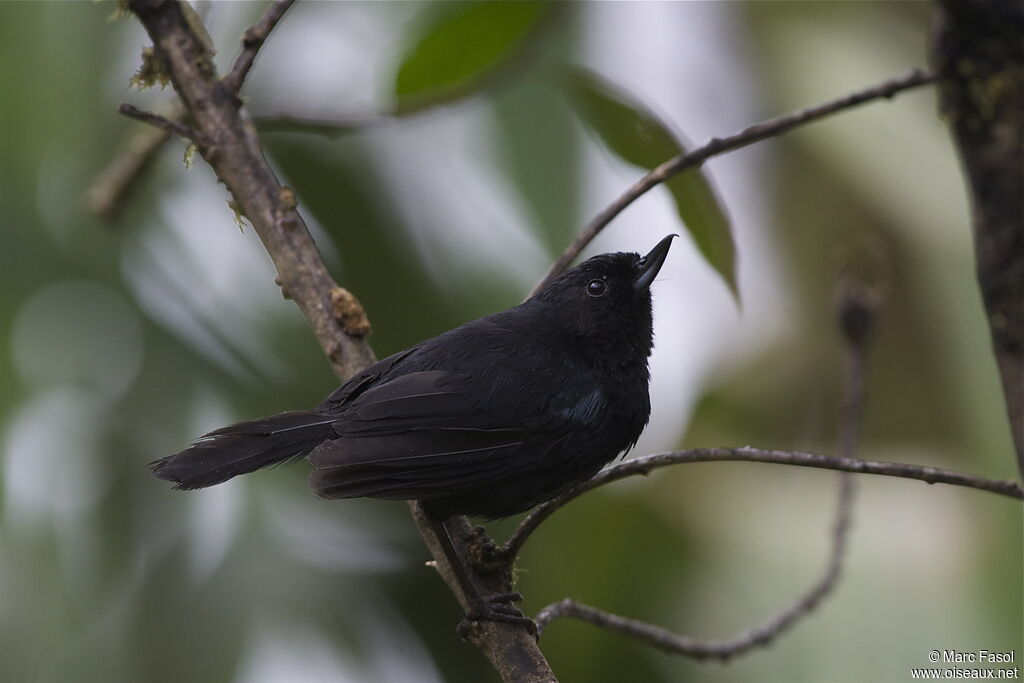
[460, 46]
[636, 136]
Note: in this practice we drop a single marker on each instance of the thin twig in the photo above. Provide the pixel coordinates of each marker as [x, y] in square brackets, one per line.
[329, 128]
[107, 192]
[730, 647]
[239, 162]
[857, 309]
[169, 125]
[644, 465]
[252, 41]
[716, 146]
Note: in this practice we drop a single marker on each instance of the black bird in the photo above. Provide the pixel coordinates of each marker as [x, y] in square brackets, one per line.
[488, 419]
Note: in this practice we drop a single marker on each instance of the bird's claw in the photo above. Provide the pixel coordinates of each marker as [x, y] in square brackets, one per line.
[504, 599]
[499, 607]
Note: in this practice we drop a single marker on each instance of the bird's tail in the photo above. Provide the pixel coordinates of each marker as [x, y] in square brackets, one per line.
[245, 447]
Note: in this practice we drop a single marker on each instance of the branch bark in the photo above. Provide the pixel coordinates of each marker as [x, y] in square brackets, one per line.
[511, 649]
[229, 144]
[107, 192]
[169, 125]
[252, 41]
[980, 54]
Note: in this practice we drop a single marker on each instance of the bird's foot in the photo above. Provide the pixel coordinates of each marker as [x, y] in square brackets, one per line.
[499, 607]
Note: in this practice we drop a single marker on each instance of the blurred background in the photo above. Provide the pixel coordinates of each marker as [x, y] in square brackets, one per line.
[121, 339]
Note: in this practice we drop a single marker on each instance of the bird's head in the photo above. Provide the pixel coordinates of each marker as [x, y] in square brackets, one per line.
[607, 298]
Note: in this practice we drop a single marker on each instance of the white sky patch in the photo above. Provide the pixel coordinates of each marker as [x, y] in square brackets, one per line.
[214, 519]
[316, 534]
[282, 650]
[458, 207]
[50, 467]
[279, 652]
[206, 281]
[334, 59]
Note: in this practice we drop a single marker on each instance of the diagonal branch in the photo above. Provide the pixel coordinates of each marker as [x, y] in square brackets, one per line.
[228, 142]
[108, 190]
[717, 146]
[252, 41]
[169, 125]
[977, 48]
[329, 128]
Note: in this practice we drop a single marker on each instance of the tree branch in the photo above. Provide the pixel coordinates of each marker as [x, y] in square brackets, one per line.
[252, 41]
[510, 648]
[329, 128]
[228, 142]
[161, 122]
[107, 192]
[978, 50]
[717, 146]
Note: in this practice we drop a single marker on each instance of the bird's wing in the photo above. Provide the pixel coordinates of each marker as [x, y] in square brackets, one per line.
[423, 432]
[356, 385]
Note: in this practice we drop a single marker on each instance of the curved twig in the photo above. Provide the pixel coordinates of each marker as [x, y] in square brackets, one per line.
[252, 41]
[169, 125]
[716, 146]
[730, 647]
[108, 190]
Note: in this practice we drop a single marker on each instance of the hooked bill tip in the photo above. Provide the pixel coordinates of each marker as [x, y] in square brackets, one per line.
[651, 263]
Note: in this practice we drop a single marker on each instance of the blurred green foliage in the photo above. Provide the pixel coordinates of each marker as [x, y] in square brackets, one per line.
[638, 137]
[120, 342]
[461, 43]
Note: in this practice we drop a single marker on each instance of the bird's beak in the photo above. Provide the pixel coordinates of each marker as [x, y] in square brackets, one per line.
[651, 263]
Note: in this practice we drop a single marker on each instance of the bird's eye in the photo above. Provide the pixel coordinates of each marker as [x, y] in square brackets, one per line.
[597, 288]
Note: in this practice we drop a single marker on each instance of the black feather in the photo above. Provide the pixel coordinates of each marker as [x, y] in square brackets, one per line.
[244, 447]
